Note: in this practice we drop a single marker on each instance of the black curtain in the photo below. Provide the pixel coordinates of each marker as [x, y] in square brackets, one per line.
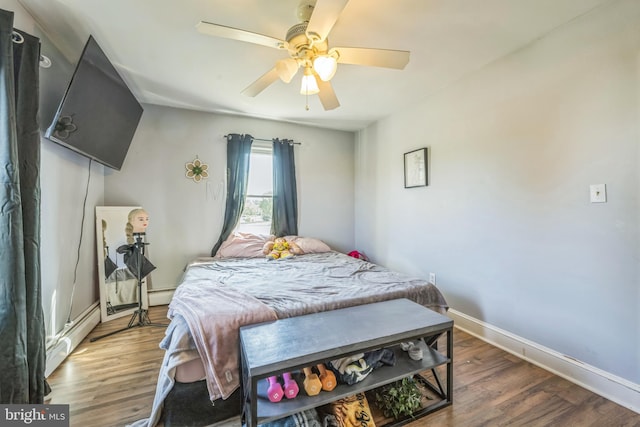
[22, 332]
[285, 197]
[238, 157]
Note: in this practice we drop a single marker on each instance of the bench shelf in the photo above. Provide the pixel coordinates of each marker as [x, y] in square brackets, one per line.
[291, 344]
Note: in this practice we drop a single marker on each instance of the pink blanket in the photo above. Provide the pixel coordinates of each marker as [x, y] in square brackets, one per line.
[215, 314]
[217, 297]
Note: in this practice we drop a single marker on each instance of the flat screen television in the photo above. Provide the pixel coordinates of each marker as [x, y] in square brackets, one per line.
[98, 114]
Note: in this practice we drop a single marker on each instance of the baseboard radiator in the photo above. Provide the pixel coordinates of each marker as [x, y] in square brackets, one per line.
[71, 336]
[60, 346]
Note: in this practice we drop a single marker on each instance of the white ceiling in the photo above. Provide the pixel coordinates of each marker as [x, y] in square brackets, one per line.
[156, 48]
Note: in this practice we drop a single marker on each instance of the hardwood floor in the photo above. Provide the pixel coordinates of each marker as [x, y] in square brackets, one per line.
[111, 382]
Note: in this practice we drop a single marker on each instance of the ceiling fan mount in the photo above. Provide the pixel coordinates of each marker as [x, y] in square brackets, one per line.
[305, 10]
[298, 41]
[308, 48]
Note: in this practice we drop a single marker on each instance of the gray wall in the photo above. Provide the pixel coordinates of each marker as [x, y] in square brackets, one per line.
[506, 223]
[186, 217]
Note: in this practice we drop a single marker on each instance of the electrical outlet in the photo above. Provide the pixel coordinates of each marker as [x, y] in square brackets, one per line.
[432, 278]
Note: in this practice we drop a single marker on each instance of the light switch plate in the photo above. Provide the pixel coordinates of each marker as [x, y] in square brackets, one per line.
[598, 193]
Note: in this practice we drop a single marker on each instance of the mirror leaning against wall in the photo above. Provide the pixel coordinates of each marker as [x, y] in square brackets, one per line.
[118, 284]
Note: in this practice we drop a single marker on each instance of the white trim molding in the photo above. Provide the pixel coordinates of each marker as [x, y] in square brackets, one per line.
[72, 335]
[607, 385]
[160, 297]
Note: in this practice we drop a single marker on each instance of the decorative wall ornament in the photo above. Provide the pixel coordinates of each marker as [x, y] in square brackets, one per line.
[197, 170]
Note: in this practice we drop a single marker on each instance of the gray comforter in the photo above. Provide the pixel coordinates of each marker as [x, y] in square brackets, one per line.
[217, 296]
[314, 282]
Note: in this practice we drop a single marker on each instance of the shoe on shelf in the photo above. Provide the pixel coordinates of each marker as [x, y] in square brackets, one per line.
[414, 350]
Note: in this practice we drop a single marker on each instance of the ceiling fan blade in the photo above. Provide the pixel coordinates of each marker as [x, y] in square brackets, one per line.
[324, 16]
[262, 83]
[327, 95]
[218, 30]
[387, 58]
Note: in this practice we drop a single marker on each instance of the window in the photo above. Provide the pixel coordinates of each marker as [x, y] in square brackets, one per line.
[258, 207]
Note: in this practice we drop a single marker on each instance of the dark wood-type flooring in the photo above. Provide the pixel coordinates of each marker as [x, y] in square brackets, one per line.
[111, 382]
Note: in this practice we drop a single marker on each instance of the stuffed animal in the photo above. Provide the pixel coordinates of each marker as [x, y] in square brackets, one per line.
[280, 248]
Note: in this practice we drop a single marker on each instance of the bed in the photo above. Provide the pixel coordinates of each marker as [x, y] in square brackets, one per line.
[240, 286]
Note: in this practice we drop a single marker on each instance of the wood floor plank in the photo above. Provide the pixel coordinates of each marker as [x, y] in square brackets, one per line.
[112, 382]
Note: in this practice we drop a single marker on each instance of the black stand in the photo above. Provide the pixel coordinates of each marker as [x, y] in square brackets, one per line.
[141, 314]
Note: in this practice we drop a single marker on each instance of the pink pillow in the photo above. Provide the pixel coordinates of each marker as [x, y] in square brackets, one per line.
[243, 245]
[309, 245]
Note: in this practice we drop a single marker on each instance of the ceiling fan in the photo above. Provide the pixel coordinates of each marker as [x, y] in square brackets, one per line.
[308, 48]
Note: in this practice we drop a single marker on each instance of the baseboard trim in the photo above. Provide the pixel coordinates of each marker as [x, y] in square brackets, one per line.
[160, 297]
[71, 338]
[605, 384]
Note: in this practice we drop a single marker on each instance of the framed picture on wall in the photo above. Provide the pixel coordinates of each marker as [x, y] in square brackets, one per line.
[415, 168]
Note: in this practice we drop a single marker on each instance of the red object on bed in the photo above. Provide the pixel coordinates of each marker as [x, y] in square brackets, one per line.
[358, 255]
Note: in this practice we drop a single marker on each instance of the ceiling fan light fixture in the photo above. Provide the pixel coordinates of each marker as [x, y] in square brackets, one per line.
[286, 69]
[326, 66]
[309, 84]
[307, 44]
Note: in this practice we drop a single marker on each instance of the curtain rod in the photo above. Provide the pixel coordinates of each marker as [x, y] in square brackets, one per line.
[269, 140]
[17, 38]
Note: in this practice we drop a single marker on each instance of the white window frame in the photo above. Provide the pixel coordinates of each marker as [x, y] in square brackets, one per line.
[258, 148]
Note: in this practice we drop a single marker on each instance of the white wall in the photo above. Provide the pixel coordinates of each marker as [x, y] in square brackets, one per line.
[506, 222]
[63, 179]
[186, 217]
